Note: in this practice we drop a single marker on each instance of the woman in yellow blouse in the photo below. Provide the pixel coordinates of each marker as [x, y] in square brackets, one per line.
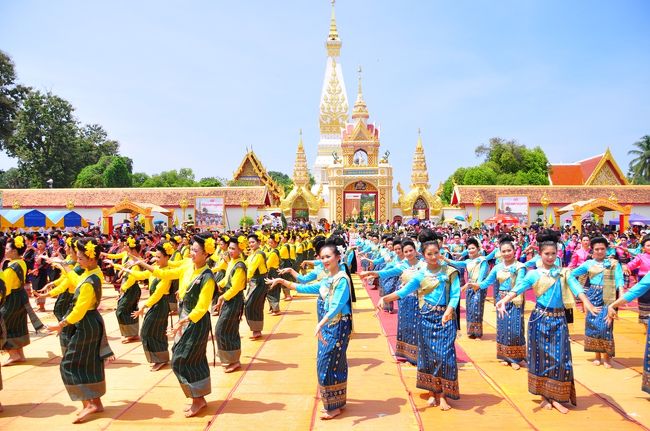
[154, 325]
[273, 264]
[195, 289]
[13, 310]
[230, 306]
[286, 262]
[82, 366]
[256, 293]
[129, 296]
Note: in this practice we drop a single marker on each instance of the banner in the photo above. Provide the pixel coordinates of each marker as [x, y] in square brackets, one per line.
[209, 213]
[515, 206]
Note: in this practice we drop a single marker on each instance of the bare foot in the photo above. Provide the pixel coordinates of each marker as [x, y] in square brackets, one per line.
[559, 407]
[515, 366]
[187, 407]
[256, 335]
[545, 404]
[276, 313]
[12, 361]
[232, 367]
[607, 364]
[330, 414]
[444, 405]
[198, 404]
[432, 402]
[158, 366]
[504, 363]
[596, 362]
[87, 411]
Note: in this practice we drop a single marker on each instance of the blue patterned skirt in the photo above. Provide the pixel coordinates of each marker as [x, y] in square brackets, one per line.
[645, 386]
[407, 329]
[474, 305]
[511, 341]
[437, 367]
[388, 286]
[332, 362]
[550, 369]
[599, 336]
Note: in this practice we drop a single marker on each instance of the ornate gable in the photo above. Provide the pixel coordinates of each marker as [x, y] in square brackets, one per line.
[251, 172]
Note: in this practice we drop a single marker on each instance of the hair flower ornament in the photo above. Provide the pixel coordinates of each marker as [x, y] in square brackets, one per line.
[169, 249]
[241, 241]
[90, 250]
[19, 241]
[130, 241]
[209, 246]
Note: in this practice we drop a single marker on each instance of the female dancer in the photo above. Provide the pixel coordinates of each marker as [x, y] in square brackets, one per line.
[550, 370]
[154, 325]
[605, 279]
[196, 286]
[438, 290]
[130, 293]
[406, 347]
[13, 310]
[82, 365]
[511, 342]
[231, 306]
[273, 264]
[333, 329]
[256, 293]
[641, 288]
[477, 269]
[642, 263]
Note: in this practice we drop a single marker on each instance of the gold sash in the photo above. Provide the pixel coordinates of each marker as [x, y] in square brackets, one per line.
[505, 274]
[545, 282]
[474, 269]
[335, 280]
[428, 285]
[609, 281]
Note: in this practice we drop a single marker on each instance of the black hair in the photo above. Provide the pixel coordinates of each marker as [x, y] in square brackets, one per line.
[397, 241]
[161, 247]
[429, 244]
[427, 235]
[599, 240]
[472, 241]
[644, 240]
[547, 238]
[199, 238]
[12, 243]
[408, 242]
[253, 235]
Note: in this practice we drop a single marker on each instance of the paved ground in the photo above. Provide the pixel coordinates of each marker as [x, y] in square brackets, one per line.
[276, 388]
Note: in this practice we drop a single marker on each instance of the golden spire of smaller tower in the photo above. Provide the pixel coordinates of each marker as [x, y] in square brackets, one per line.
[360, 109]
[419, 174]
[300, 172]
[334, 34]
[333, 42]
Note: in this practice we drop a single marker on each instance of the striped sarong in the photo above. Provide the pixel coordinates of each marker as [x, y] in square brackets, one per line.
[332, 362]
[511, 341]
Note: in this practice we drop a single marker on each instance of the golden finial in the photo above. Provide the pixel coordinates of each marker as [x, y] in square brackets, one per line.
[334, 34]
[419, 173]
[360, 109]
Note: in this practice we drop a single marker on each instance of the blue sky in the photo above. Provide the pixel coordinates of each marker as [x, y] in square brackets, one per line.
[192, 84]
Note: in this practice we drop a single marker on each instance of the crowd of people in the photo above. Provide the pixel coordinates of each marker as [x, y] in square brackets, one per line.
[192, 276]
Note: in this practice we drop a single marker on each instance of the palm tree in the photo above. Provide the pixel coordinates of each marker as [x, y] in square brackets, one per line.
[640, 165]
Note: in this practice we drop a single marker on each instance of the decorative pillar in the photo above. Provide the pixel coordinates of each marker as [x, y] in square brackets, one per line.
[107, 222]
[244, 206]
[184, 203]
[478, 201]
[545, 201]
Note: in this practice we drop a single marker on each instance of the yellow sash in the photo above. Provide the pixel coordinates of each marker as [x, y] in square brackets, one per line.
[505, 274]
[609, 282]
[545, 282]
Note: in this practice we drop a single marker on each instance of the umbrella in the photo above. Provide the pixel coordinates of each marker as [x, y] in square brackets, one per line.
[158, 222]
[459, 218]
[413, 221]
[502, 218]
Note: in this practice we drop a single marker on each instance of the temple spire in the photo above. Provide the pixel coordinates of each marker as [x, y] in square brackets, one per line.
[300, 172]
[419, 174]
[334, 34]
[360, 109]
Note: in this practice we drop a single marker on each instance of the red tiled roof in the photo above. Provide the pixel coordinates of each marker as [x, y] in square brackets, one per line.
[166, 197]
[573, 174]
[559, 195]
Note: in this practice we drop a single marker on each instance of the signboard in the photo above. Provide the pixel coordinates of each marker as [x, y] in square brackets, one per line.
[209, 213]
[515, 206]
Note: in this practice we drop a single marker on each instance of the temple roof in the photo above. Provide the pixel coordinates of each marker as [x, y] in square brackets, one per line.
[558, 195]
[167, 197]
[601, 169]
[252, 170]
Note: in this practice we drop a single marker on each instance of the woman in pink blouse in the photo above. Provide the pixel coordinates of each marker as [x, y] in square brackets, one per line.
[642, 263]
[581, 253]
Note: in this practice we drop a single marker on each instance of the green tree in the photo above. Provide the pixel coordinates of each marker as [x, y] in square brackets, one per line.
[109, 171]
[138, 179]
[49, 144]
[283, 180]
[639, 168]
[11, 96]
[210, 182]
[184, 177]
[13, 178]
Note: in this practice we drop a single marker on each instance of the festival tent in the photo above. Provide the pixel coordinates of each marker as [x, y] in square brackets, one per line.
[502, 218]
[63, 219]
[635, 219]
[23, 219]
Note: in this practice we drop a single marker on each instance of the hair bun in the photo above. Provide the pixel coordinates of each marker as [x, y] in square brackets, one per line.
[548, 236]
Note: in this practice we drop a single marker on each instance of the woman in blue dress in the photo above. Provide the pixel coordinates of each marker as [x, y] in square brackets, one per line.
[477, 268]
[605, 279]
[638, 290]
[550, 368]
[438, 290]
[511, 341]
[333, 329]
[406, 347]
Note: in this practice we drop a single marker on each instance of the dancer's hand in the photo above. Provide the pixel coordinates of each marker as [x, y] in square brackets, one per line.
[501, 308]
[55, 329]
[612, 315]
[319, 333]
[272, 282]
[449, 314]
[138, 313]
[381, 304]
[219, 304]
[591, 309]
